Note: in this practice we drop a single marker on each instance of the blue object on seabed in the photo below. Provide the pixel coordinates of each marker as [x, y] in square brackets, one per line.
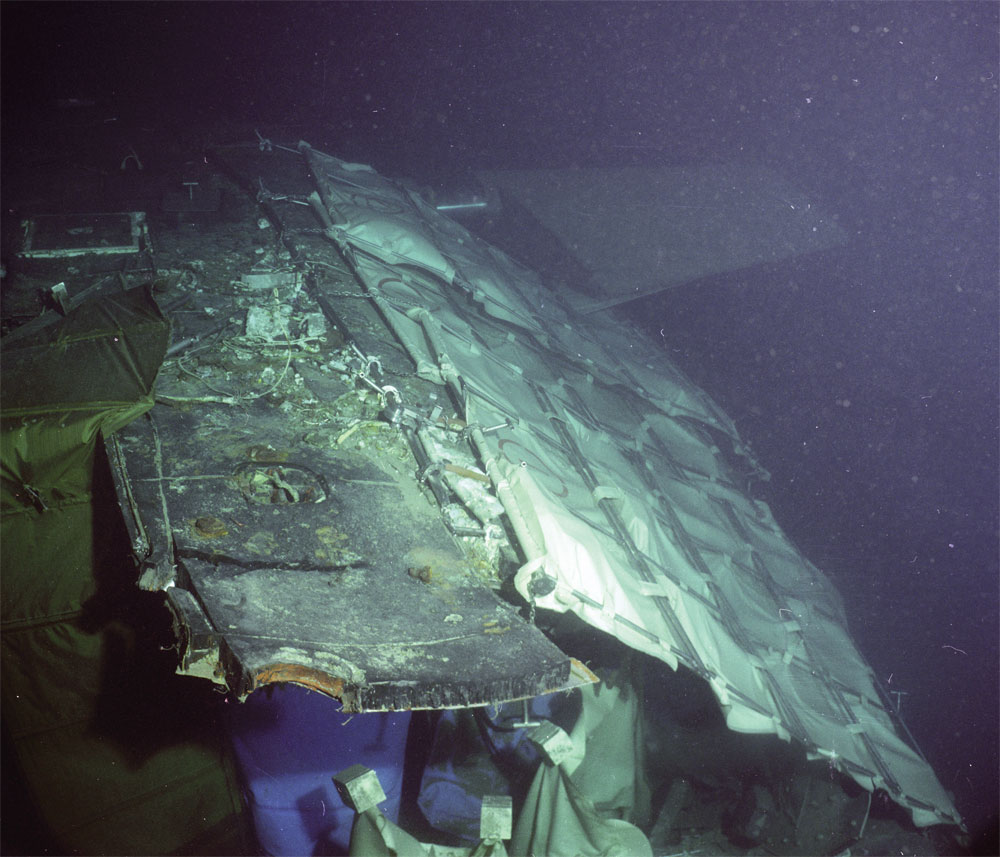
[468, 762]
[289, 743]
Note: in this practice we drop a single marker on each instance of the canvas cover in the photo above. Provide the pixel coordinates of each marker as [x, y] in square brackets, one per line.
[587, 799]
[640, 230]
[103, 770]
[624, 484]
[594, 801]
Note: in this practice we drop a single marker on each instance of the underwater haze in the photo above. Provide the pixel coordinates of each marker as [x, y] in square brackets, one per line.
[864, 377]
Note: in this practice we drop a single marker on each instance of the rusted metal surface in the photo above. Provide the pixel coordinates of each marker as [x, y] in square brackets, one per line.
[290, 523]
[356, 590]
[297, 674]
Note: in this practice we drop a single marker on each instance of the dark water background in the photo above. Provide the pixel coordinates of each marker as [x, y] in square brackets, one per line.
[866, 378]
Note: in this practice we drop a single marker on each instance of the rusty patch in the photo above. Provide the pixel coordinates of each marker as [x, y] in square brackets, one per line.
[468, 474]
[423, 573]
[298, 674]
[267, 454]
[494, 627]
[207, 527]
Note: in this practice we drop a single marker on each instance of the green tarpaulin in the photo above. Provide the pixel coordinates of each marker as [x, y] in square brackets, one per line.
[101, 749]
